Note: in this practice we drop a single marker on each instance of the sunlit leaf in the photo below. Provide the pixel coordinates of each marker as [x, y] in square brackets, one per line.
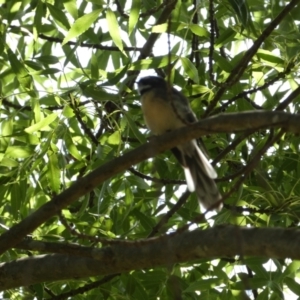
[114, 29]
[53, 172]
[81, 25]
[134, 15]
[71, 7]
[43, 124]
[165, 27]
[70, 106]
[151, 63]
[200, 31]
[18, 152]
[94, 66]
[115, 138]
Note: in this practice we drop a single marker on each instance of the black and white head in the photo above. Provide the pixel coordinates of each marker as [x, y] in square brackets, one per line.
[148, 83]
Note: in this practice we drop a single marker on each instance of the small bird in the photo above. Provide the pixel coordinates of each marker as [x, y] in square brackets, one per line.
[166, 109]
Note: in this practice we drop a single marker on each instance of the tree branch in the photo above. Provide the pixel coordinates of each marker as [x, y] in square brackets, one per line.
[186, 246]
[234, 122]
[148, 46]
[237, 72]
[83, 45]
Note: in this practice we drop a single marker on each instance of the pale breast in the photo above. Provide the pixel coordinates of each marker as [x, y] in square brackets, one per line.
[159, 114]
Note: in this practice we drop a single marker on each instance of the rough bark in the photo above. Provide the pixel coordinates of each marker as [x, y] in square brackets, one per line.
[220, 241]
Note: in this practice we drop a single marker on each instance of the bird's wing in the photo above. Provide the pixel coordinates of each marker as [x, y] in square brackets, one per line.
[182, 107]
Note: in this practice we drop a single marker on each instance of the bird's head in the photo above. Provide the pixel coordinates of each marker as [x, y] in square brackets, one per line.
[148, 83]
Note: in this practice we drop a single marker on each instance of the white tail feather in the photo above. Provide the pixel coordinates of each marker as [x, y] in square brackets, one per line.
[189, 179]
[206, 164]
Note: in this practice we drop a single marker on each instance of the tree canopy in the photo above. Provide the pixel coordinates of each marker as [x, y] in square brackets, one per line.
[94, 207]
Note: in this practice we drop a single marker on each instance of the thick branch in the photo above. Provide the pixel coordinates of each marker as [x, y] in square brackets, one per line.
[163, 251]
[225, 123]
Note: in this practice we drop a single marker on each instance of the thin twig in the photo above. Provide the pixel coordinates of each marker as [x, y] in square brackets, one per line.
[238, 71]
[169, 214]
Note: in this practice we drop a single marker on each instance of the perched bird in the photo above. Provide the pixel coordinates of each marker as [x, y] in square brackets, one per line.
[167, 109]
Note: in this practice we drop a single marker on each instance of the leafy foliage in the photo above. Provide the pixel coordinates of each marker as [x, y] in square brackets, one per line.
[69, 105]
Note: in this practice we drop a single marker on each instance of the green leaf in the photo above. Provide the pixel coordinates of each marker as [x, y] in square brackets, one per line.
[153, 62]
[94, 66]
[47, 59]
[115, 77]
[39, 13]
[8, 162]
[114, 29]
[242, 11]
[115, 138]
[270, 57]
[292, 285]
[160, 28]
[53, 172]
[71, 146]
[42, 124]
[146, 221]
[81, 25]
[292, 268]
[135, 129]
[164, 27]
[45, 72]
[134, 15]
[226, 37]
[128, 195]
[198, 30]
[84, 205]
[190, 69]
[98, 94]
[202, 285]
[19, 69]
[6, 131]
[70, 6]
[59, 16]
[16, 200]
[196, 89]
[251, 283]
[223, 63]
[18, 152]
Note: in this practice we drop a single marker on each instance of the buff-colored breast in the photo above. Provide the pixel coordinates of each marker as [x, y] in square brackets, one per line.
[159, 114]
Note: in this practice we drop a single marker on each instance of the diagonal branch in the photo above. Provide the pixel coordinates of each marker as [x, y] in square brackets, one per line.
[148, 46]
[224, 123]
[238, 71]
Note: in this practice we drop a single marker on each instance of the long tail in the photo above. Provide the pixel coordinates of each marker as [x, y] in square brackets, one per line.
[199, 174]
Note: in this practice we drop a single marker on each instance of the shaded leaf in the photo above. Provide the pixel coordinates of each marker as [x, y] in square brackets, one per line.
[190, 69]
[59, 16]
[53, 172]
